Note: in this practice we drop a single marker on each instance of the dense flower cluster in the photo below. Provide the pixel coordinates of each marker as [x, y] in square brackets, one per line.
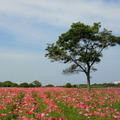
[59, 104]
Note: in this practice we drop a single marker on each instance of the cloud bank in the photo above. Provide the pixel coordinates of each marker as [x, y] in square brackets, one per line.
[20, 16]
[26, 26]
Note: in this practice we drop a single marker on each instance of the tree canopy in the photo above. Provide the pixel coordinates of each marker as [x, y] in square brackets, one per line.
[82, 46]
[36, 83]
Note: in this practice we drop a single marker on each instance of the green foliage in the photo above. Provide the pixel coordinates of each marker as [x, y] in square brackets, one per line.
[11, 107]
[31, 85]
[24, 84]
[82, 43]
[69, 113]
[36, 83]
[8, 84]
[116, 105]
[39, 102]
[68, 85]
[82, 46]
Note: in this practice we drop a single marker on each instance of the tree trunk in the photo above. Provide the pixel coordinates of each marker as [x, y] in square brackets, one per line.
[88, 81]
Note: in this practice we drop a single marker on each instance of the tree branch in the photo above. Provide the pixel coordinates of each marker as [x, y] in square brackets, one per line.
[95, 58]
[78, 64]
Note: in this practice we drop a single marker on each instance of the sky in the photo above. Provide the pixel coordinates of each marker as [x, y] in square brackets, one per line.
[26, 26]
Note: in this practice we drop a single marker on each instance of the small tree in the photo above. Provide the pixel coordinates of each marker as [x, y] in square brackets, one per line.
[68, 85]
[36, 83]
[82, 46]
[24, 84]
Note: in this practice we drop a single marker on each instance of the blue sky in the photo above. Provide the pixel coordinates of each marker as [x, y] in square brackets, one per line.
[26, 26]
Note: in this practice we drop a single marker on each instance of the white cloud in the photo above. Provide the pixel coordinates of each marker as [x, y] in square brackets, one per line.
[63, 12]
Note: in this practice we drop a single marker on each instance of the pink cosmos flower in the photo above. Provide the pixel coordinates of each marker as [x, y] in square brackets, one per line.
[23, 118]
[116, 116]
[41, 116]
[118, 113]
[30, 112]
[96, 113]
[80, 113]
[2, 115]
[102, 115]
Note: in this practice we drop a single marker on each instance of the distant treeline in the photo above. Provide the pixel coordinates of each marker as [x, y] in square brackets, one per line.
[36, 83]
[69, 85]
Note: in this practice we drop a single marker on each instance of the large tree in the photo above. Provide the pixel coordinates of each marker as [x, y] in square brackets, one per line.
[82, 46]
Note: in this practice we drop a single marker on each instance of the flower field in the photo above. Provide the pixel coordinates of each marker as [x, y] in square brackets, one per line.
[59, 104]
